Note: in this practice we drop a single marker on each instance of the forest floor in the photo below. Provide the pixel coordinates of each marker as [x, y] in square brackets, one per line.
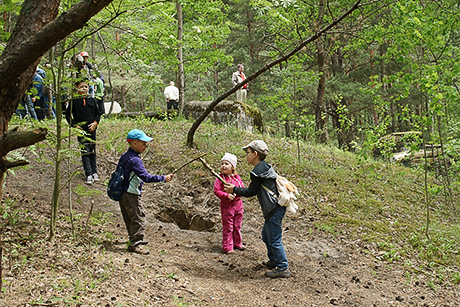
[186, 266]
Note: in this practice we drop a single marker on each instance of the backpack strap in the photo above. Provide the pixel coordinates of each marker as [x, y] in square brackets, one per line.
[269, 191]
[126, 163]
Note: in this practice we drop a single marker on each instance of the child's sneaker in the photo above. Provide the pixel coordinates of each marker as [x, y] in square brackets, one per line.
[278, 273]
[138, 250]
[89, 180]
[228, 252]
[240, 247]
[95, 177]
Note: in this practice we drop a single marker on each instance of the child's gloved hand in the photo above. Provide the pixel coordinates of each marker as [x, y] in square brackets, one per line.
[169, 177]
[228, 188]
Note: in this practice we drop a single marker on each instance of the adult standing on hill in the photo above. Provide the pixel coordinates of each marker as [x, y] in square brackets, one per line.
[99, 92]
[238, 77]
[87, 64]
[172, 96]
[89, 71]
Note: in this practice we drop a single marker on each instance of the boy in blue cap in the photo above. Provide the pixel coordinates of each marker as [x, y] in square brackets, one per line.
[135, 175]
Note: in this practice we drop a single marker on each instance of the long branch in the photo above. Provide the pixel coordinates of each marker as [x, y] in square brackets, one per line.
[212, 171]
[95, 31]
[312, 38]
[185, 164]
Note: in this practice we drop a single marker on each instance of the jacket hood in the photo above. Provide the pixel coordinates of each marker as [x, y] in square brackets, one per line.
[264, 170]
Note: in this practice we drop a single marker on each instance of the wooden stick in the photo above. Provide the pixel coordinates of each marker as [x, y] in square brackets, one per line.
[185, 164]
[212, 171]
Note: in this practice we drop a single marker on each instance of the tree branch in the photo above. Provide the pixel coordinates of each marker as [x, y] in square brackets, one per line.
[18, 57]
[312, 38]
[14, 139]
[96, 30]
[211, 170]
[185, 164]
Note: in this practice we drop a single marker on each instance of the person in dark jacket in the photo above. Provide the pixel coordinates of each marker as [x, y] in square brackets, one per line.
[135, 175]
[83, 113]
[263, 184]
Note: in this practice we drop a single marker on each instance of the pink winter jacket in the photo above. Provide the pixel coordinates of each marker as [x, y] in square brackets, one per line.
[219, 189]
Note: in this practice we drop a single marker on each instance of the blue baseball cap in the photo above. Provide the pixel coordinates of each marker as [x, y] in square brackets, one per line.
[137, 134]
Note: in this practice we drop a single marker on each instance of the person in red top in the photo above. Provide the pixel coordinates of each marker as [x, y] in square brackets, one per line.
[231, 206]
[238, 77]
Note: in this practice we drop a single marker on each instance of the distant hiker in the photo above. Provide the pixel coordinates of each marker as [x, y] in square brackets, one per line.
[99, 92]
[231, 206]
[85, 70]
[238, 77]
[85, 56]
[38, 93]
[49, 109]
[26, 107]
[82, 112]
[172, 96]
[263, 180]
[135, 175]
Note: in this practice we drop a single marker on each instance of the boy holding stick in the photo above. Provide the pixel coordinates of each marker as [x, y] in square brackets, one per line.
[263, 180]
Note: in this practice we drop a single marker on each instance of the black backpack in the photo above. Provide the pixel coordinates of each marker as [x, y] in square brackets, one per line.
[115, 185]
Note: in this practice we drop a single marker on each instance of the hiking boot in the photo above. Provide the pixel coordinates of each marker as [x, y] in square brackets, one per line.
[89, 180]
[276, 273]
[138, 250]
[95, 177]
[269, 264]
[240, 247]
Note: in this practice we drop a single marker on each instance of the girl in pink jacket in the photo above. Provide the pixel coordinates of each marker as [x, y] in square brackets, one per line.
[231, 206]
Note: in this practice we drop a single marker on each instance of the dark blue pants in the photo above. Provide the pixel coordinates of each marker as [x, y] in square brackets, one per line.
[272, 233]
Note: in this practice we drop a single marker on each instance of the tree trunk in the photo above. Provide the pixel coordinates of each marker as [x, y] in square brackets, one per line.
[57, 162]
[180, 57]
[320, 109]
[251, 36]
[29, 40]
[216, 79]
[15, 139]
[216, 75]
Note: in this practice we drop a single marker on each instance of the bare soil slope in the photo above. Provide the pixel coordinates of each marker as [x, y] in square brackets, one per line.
[186, 266]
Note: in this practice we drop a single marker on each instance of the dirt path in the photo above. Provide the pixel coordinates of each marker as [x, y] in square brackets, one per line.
[186, 267]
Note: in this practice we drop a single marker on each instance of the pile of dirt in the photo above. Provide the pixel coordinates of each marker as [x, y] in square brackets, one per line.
[186, 266]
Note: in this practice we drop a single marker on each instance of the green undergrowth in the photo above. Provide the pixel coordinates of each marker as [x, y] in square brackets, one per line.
[380, 204]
